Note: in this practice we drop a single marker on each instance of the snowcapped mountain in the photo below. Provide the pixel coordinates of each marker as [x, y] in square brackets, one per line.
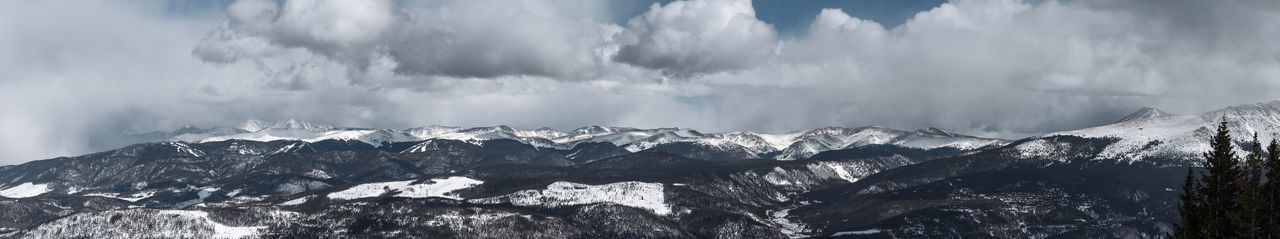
[254, 125]
[1144, 113]
[808, 143]
[786, 146]
[1150, 134]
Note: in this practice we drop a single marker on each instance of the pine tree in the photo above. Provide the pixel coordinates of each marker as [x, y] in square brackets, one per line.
[1220, 189]
[1271, 192]
[1190, 209]
[1252, 204]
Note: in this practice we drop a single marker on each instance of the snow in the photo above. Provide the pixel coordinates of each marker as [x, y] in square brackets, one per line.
[1154, 134]
[779, 141]
[296, 201]
[434, 188]
[546, 133]
[133, 198]
[817, 172]
[423, 147]
[294, 147]
[219, 230]
[316, 173]
[186, 149]
[841, 170]
[1183, 135]
[793, 145]
[371, 137]
[253, 125]
[642, 195]
[933, 142]
[812, 142]
[142, 223]
[862, 232]
[25, 190]
[1038, 148]
[1144, 113]
[790, 228]
[368, 136]
[433, 131]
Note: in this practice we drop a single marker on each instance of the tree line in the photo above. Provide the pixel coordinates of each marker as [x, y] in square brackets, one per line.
[1232, 198]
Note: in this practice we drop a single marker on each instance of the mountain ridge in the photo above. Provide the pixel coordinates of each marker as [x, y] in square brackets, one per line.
[783, 146]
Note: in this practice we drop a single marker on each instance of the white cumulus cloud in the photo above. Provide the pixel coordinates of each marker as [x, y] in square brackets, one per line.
[703, 36]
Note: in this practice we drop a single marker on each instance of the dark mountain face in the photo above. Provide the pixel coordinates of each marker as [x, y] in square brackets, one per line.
[1053, 186]
[991, 194]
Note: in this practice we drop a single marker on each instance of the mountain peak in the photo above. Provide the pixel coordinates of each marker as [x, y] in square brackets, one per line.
[255, 125]
[1144, 113]
[593, 129]
[936, 132]
[293, 123]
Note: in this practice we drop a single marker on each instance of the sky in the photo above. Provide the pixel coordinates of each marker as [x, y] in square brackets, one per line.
[77, 73]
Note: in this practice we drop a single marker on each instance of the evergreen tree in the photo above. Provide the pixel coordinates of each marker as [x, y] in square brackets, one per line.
[1220, 189]
[1232, 199]
[1190, 209]
[1252, 205]
[1271, 191]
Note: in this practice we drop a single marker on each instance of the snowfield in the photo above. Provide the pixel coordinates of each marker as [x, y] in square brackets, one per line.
[1163, 135]
[25, 190]
[141, 223]
[219, 230]
[442, 187]
[643, 195]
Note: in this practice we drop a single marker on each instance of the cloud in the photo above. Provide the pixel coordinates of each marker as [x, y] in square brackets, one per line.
[91, 70]
[460, 39]
[705, 36]
[1013, 67]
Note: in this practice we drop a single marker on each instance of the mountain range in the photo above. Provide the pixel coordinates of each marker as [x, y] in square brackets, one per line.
[742, 144]
[294, 179]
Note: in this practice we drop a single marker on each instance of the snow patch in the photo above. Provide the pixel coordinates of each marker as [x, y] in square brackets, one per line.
[296, 201]
[790, 228]
[316, 173]
[443, 187]
[132, 198]
[219, 230]
[25, 190]
[643, 195]
[862, 232]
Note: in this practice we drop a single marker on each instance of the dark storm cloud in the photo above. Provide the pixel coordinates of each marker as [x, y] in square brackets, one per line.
[90, 70]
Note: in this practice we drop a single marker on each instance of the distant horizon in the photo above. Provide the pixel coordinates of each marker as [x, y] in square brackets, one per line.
[681, 127]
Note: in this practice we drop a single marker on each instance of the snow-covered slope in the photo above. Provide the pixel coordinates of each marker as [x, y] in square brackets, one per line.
[1144, 113]
[787, 146]
[141, 223]
[24, 190]
[811, 142]
[293, 129]
[633, 194]
[1181, 137]
[440, 187]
